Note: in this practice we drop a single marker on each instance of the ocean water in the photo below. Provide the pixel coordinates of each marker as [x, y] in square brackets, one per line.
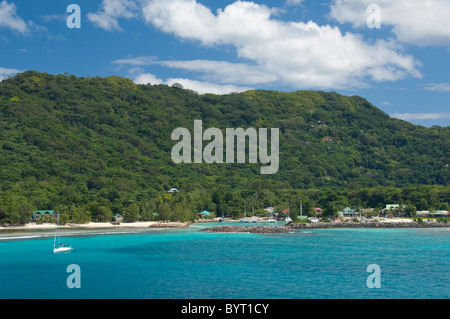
[187, 263]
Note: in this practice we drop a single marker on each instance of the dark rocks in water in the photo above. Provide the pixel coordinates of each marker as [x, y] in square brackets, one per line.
[250, 229]
[412, 224]
[293, 227]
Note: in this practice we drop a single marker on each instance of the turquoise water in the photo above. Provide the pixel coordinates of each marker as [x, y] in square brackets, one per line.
[187, 263]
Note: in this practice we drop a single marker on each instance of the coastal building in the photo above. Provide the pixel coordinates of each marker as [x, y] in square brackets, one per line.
[318, 210]
[41, 213]
[422, 213]
[393, 206]
[117, 218]
[347, 212]
[436, 214]
[204, 213]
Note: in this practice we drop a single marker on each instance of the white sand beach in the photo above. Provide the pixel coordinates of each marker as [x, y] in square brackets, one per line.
[48, 226]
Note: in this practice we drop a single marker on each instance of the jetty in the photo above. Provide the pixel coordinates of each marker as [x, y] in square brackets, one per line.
[250, 229]
[169, 225]
[374, 224]
[294, 227]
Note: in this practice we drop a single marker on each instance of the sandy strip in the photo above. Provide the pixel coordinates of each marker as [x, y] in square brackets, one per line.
[91, 225]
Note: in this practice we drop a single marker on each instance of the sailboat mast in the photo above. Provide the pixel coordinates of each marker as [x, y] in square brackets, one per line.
[301, 208]
[56, 232]
[245, 209]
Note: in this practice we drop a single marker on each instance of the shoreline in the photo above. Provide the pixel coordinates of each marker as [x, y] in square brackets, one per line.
[374, 224]
[47, 229]
[298, 227]
[91, 225]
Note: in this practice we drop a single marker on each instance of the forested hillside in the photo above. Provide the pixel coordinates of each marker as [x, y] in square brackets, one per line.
[95, 146]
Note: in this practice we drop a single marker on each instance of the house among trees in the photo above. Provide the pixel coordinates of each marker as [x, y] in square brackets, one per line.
[436, 214]
[318, 210]
[41, 213]
[367, 210]
[391, 208]
[173, 190]
[117, 218]
[347, 212]
[204, 213]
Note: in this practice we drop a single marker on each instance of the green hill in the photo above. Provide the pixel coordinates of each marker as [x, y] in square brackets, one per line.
[103, 145]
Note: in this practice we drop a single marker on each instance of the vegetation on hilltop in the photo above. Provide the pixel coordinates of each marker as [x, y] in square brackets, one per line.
[92, 147]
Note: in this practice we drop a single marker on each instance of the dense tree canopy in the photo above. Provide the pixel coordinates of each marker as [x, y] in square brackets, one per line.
[98, 146]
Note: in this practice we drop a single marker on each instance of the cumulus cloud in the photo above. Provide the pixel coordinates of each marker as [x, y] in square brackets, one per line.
[217, 71]
[418, 22]
[197, 86]
[303, 55]
[148, 78]
[9, 18]
[5, 72]
[111, 10]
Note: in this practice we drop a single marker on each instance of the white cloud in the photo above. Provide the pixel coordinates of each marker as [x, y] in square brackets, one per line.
[207, 87]
[5, 72]
[293, 2]
[439, 87]
[9, 18]
[111, 11]
[419, 22]
[302, 55]
[198, 86]
[137, 61]
[421, 116]
[147, 78]
[217, 71]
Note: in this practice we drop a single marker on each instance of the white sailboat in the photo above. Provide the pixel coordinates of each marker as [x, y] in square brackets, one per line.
[59, 247]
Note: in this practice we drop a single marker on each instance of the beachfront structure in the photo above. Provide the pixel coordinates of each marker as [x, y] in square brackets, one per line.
[117, 218]
[41, 213]
[436, 214]
[393, 206]
[367, 210]
[347, 212]
[318, 210]
[205, 213]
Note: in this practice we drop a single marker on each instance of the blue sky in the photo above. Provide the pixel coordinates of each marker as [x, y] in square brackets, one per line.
[400, 64]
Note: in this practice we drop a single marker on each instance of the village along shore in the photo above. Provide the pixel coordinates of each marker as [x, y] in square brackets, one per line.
[33, 228]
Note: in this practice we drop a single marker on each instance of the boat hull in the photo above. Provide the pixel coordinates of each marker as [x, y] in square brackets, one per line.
[61, 250]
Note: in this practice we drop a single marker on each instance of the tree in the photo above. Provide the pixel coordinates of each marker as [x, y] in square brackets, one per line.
[131, 213]
[411, 210]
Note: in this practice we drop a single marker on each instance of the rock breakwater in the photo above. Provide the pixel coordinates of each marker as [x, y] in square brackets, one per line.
[250, 229]
[411, 224]
[169, 225]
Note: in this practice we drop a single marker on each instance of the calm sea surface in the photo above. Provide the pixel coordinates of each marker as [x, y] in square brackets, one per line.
[187, 263]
